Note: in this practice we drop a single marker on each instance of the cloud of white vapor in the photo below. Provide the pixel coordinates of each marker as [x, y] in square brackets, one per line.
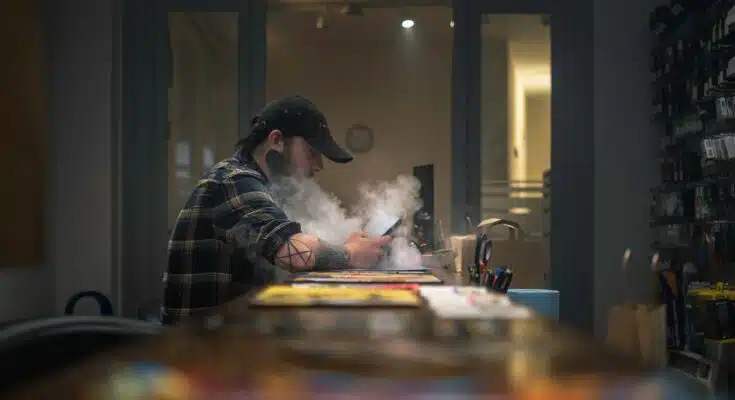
[322, 214]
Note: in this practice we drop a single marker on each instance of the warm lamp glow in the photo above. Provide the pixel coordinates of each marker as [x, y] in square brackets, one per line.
[527, 80]
[518, 164]
[533, 82]
[520, 210]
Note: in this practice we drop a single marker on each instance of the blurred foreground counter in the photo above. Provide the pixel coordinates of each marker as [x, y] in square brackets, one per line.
[370, 353]
[363, 352]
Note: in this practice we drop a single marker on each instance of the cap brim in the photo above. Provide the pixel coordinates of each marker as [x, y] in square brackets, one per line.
[330, 149]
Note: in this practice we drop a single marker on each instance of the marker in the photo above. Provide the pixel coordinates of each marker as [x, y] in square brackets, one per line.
[498, 278]
[508, 280]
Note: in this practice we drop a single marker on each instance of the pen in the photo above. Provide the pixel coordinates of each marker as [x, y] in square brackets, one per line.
[498, 278]
[479, 251]
[508, 280]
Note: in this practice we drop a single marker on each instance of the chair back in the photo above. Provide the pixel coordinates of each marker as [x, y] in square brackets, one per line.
[104, 303]
[32, 349]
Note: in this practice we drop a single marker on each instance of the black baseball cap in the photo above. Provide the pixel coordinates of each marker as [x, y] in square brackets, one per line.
[296, 116]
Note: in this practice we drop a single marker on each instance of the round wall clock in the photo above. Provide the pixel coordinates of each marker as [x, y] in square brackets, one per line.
[360, 138]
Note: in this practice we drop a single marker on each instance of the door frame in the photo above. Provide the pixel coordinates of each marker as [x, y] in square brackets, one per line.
[142, 207]
[572, 257]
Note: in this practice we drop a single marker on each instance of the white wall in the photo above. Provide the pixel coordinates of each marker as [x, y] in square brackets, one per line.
[495, 108]
[538, 133]
[26, 292]
[22, 127]
[83, 144]
[625, 149]
[80, 207]
[517, 140]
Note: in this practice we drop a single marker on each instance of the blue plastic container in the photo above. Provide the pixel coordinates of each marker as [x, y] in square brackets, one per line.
[544, 301]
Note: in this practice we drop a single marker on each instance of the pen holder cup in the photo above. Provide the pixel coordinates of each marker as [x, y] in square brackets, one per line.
[463, 249]
[544, 302]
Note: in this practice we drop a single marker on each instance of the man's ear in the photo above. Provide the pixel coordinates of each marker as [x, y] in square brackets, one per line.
[275, 140]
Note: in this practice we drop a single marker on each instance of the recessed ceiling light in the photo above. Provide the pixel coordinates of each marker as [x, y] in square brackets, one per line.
[407, 23]
[451, 24]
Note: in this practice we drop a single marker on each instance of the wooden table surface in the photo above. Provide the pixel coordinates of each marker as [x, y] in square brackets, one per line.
[373, 353]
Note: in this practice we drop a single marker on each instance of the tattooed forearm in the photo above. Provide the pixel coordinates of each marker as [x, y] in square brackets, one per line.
[307, 252]
[296, 254]
[331, 257]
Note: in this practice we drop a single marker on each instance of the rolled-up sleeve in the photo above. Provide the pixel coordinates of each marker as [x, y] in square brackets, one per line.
[250, 218]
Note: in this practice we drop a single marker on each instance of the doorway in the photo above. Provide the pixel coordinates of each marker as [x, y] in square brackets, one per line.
[515, 125]
[570, 222]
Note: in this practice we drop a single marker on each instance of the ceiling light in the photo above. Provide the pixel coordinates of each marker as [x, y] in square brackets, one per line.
[520, 210]
[407, 23]
[451, 24]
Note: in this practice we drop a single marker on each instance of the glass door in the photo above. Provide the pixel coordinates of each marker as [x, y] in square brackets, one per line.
[515, 124]
[194, 86]
[511, 126]
[202, 97]
[510, 130]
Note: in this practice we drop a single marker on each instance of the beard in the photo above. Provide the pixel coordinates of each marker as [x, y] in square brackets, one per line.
[278, 163]
[281, 165]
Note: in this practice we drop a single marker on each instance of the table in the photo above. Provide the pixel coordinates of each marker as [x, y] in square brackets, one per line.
[373, 353]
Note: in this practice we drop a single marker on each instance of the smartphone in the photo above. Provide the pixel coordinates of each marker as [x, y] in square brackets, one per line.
[393, 228]
[382, 224]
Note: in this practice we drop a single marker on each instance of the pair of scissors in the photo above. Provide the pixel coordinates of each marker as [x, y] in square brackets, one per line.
[475, 273]
[483, 251]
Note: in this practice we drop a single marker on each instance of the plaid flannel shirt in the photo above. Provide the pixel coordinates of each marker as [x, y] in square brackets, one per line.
[229, 226]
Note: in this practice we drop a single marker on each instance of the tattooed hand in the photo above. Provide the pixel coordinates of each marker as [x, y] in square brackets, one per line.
[365, 251]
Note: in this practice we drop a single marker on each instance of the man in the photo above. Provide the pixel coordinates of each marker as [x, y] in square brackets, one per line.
[231, 222]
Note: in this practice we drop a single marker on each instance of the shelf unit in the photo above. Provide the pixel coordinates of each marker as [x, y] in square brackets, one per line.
[693, 208]
[693, 68]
